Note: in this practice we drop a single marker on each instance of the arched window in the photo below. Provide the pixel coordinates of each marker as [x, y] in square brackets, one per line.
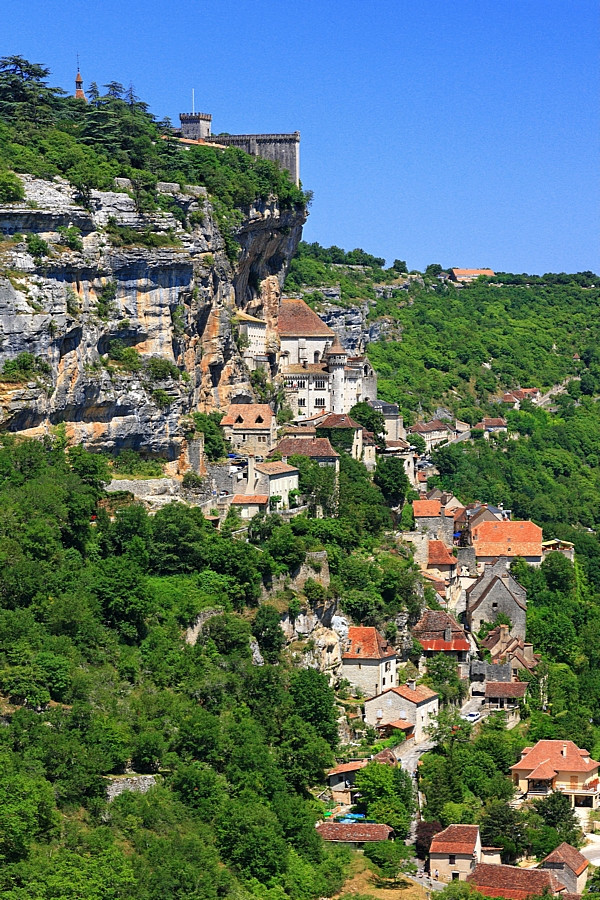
[317, 355]
[366, 371]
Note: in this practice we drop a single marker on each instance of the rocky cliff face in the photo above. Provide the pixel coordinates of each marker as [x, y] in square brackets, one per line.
[174, 302]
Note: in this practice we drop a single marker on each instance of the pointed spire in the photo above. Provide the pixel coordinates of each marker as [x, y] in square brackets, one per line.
[79, 84]
[336, 348]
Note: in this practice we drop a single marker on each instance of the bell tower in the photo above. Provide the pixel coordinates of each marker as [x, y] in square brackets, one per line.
[79, 84]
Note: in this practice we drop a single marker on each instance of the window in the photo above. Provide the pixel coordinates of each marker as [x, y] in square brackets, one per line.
[319, 385]
[383, 681]
[320, 401]
[455, 876]
[452, 860]
[316, 356]
[301, 401]
[388, 666]
[301, 385]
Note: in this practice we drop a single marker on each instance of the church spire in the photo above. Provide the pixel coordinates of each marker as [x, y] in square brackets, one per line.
[79, 84]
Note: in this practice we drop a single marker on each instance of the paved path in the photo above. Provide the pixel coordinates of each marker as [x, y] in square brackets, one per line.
[409, 754]
[592, 850]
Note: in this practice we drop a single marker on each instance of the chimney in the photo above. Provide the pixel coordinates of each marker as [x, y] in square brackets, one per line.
[304, 363]
[284, 459]
[447, 634]
[411, 684]
[564, 750]
[251, 475]
[528, 652]
[504, 636]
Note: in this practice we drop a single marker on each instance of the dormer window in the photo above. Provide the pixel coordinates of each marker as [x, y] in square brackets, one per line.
[259, 420]
[239, 420]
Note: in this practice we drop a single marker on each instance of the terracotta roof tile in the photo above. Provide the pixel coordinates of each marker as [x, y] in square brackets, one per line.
[246, 499]
[512, 882]
[297, 319]
[275, 468]
[339, 420]
[248, 415]
[471, 273]
[348, 767]
[428, 508]
[508, 689]
[564, 756]
[438, 555]
[367, 643]
[428, 427]
[360, 832]
[308, 369]
[507, 539]
[433, 624]
[456, 839]
[419, 695]
[314, 447]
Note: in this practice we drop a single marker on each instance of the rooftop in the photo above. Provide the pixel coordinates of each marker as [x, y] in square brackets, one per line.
[564, 756]
[250, 499]
[426, 427]
[507, 539]
[568, 856]
[507, 689]
[429, 508]
[318, 448]
[339, 420]
[245, 317]
[512, 882]
[438, 555]
[348, 767]
[275, 468]
[248, 415]
[297, 319]
[416, 695]
[367, 643]
[456, 839]
[361, 832]
[431, 631]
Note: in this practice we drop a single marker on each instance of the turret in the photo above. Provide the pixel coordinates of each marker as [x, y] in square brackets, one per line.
[336, 358]
[79, 88]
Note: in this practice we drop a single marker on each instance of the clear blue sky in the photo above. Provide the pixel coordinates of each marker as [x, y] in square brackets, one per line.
[464, 132]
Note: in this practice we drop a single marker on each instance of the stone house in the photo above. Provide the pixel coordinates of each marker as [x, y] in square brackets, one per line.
[250, 428]
[514, 883]
[415, 704]
[439, 632]
[496, 592]
[254, 333]
[318, 449]
[249, 505]
[514, 652]
[491, 426]
[555, 546]
[465, 276]
[558, 766]
[368, 661]
[394, 423]
[433, 518]
[433, 433]
[455, 852]
[275, 479]
[441, 562]
[505, 696]
[354, 835]
[510, 539]
[341, 780]
[569, 865]
[351, 436]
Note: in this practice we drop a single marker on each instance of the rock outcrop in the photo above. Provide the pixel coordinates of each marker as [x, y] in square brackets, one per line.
[175, 302]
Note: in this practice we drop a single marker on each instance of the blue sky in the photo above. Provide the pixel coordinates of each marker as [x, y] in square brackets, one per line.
[464, 132]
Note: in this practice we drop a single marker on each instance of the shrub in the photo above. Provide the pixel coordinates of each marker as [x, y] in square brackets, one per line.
[11, 188]
[71, 236]
[129, 462]
[128, 357]
[191, 481]
[161, 398]
[73, 308]
[36, 245]
[160, 369]
[105, 307]
[25, 367]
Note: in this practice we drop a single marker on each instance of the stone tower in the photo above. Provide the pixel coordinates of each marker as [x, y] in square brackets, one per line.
[336, 358]
[195, 126]
[79, 88]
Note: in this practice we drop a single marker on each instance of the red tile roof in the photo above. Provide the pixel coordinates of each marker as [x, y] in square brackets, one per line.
[438, 555]
[507, 689]
[456, 839]
[564, 756]
[429, 508]
[471, 273]
[358, 832]
[308, 369]
[367, 643]
[401, 724]
[512, 882]
[507, 539]
[441, 646]
[297, 319]
[247, 415]
[569, 856]
[427, 427]
[348, 767]
[254, 499]
[315, 447]
[419, 695]
[544, 772]
[339, 420]
[431, 628]
[275, 468]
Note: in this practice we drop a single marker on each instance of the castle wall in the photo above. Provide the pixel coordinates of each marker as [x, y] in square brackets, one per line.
[195, 126]
[281, 148]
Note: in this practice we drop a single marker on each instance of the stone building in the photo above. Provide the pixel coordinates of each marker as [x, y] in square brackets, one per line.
[434, 519]
[496, 592]
[512, 882]
[569, 865]
[318, 449]
[277, 480]
[369, 661]
[250, 428]
[410, 703]
[510, 539]
[439, 632]
[281, 148]
[454, 852]
[394, 423]
[558, 766]
[254, 333]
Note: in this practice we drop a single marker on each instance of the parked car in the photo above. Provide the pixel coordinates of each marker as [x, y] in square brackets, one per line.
[471, 717]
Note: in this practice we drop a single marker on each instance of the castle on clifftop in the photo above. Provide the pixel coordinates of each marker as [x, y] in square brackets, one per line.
[281, 148]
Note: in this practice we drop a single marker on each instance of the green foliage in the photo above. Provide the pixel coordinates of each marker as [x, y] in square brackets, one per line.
[442, 677]
[125, 236]
[71, 236]
[25, 367]
[268, 632]
[386, 795]
[392, 858]
[37, 246]
[161, 398]
[130, 462]
[11, 188]
[215, 445]
[392, 480]
[372, 419]
[161, 369]
[105, 306]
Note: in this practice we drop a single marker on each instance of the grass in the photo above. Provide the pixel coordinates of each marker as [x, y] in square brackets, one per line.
[364, 881]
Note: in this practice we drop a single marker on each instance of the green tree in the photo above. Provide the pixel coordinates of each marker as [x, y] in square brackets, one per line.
[314, 702]
[268, 632]
[371, 419]
[391, 477]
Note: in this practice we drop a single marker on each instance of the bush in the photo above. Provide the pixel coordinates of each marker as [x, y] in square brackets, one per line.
[105, 307]
[130, 462]
[161, 398]
[11, 188]
[36, 245]
[160, 369]
[191, 481]
[71, 236]
[24, 367]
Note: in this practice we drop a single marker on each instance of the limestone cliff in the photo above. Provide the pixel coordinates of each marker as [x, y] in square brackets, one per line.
[173, 302]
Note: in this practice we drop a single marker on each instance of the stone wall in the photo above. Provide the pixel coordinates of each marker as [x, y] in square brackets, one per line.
[138, 784]
[281, 148]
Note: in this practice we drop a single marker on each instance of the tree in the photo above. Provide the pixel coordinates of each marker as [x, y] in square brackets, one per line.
[250, 836]
[268, 632]
[503, 826]
[557, 812]
[371, 419]
[314, 701]
[442, 676]
[392, 858]
[418, 443]
[433, 269]
[386, 794]
[391, 477]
